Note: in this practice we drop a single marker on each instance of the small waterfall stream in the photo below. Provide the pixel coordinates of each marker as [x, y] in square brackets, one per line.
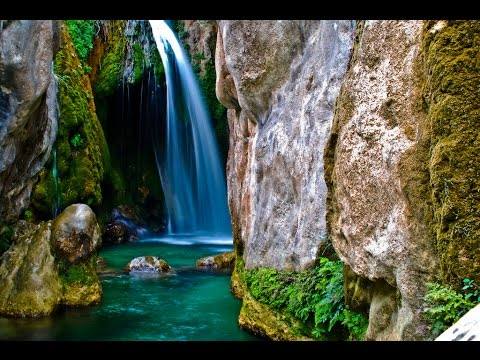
[56, 200]
[189, 166]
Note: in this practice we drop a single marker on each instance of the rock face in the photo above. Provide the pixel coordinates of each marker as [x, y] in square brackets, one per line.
[199, 38]
[225, 261]
[29, 281]
[76, 233]
[373, 227]
[399, 159]
[395, 199]
[28, 109]
[285, 77]
[148, 264]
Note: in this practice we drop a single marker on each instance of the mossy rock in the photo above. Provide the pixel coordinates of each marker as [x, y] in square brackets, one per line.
[451, 51]
[81, 150]
[220, 262]
[261, 320]
[80, 284]
[29, 281]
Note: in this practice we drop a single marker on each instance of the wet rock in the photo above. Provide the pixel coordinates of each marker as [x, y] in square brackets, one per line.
[220, 262]
[125, 226]
[76, 233]
[148, 264]
[116, 233]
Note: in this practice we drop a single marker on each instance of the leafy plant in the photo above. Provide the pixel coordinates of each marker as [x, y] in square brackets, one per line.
[82, 33]
[77, 141]
[446, 306]
[87, 69]
[313, 296]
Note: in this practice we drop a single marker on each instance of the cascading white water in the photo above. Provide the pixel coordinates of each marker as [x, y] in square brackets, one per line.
[189, 166]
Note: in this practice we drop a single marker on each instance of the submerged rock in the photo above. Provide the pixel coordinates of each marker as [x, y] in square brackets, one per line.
[148, 264]
[101, 267]
[225, 261]
[76, 233]
[29, 281]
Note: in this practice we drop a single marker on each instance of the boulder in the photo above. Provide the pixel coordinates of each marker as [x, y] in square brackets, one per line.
[76, 233]
[148, 264]
[225, 261]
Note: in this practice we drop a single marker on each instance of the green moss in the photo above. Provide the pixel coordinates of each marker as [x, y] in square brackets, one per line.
[28, 214]
[113, 62]
[79, 273]
[179, 28]
[157, 64]
[138, 62]
[314, 297]
[80, 283]
[451, 101]
[81, 33]
[81, 149]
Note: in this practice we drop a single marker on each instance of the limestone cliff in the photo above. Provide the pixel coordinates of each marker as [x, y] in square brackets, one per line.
[280, 80]
[360, 135]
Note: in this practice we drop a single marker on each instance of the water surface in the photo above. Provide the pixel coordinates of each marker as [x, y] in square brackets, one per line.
[190, 305]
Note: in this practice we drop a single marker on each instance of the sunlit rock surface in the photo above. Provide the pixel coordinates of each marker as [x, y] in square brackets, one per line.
[76, 233]
[285, 77]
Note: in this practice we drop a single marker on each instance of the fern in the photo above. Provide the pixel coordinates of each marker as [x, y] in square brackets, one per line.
[314, 296]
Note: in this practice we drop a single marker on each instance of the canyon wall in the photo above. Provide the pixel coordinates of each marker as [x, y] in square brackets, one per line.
[360, 136]
[280, 80]
[28, 109]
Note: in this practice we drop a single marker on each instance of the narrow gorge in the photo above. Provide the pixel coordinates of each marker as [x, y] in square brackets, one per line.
[239, 179]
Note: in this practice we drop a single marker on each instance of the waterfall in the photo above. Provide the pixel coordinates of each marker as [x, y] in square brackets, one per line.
[189, 165]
